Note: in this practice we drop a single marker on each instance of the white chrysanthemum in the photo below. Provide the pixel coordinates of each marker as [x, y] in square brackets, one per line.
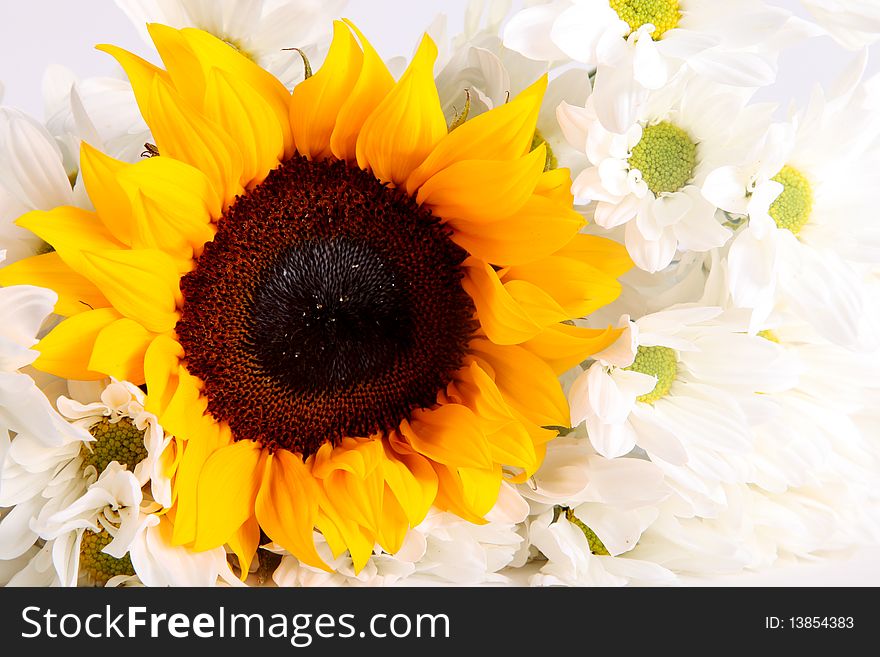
[25, 412]
[853, 23]
[647, 42]
[263, 30]
[32, 177]
[810, 483]
[588, 512]
[90, 499]
[808, 191]
[100, 111]
[477, 73]
[122, 405]
[685, 385]
[649, 177]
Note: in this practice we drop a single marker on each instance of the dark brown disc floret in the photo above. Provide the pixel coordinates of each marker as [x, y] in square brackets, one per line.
[327, 305]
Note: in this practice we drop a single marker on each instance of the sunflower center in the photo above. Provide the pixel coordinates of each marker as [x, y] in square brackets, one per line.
[793, 206]
[119, 441]
[97, 564]
[327, 306]
[660, 362]
[666, 157]
[664, 15]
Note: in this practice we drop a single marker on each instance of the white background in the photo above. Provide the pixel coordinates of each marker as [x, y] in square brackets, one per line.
[37, 33]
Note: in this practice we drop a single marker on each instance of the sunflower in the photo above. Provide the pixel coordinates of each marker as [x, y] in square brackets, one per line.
[344, 312]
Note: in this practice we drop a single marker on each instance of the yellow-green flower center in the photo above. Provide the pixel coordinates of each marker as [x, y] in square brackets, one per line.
[794, 205]
[550, 162]
[119, 441]
[661, 362]
[99, 565]
[664, 15]
[666, 156]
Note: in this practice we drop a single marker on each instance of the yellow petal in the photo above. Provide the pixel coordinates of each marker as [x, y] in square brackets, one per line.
[504, 133]
[212, 52]
[142, 284]
[562, 346]
[468, 492]
[99, 173]
[509, 440]
[448, 434]
[120, 349]
[196, 451]
[538, 229]
[373, 84]
[556, 186]
[393, 524]
[140, 73]
[227, 491]
[287, 506]
[606, 255]
[184, 69]
[316, 102]
[527, 382]
[70, 231]
[509, 314]
[357, 456]
[173, 205]
[161, 365]
[76, 294]
[184, 413]
[575, 285]
[185, 135]
[412, 481]
[483, 190]
[66, 350]
[407, 124]
[244, 544]
[246, 117]
[343, 533]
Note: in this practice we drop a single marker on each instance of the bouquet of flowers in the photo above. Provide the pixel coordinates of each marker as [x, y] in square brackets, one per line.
[556, 300]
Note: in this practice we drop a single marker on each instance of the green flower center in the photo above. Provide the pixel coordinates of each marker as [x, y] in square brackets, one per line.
[99, 565]
[656, 361]
[794, 205]
[664, 15]
[550, 162]
[119, 441]
[666, 156]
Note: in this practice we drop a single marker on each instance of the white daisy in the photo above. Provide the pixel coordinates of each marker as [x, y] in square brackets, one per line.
[264, 30]
[649, 177]
[478, 74]
[809, 485]
[649, 41]
[589, 512]
[120, 415]
[467, 554]
[32, 177]
[100, 111]
[807, 188]
[685, 385]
